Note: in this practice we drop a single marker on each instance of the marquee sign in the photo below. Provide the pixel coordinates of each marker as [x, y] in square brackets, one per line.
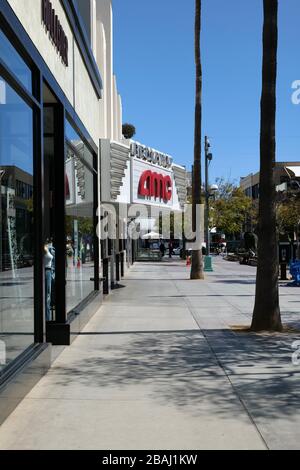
[150, 155]
[152, 177]
[55, 29]
[155, 185]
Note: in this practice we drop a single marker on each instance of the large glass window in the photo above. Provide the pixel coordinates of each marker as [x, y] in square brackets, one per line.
[14, 62]
[80, 247]
[49, 212]
[16, 224]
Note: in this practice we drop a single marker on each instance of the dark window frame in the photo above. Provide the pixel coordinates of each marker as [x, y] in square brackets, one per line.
[35, 107]
[28, 51]
[94, 171]
[76, 23]
[41, 74]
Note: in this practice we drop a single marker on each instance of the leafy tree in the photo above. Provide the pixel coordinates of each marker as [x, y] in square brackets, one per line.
[231, 208]
[85, 225]
[128, 131]
[288, 215]
[266, 314]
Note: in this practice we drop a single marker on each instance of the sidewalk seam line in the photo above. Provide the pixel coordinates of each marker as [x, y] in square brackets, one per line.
[191, 310]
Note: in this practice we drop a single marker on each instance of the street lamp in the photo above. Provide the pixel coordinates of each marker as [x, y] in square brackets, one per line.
[209, 192]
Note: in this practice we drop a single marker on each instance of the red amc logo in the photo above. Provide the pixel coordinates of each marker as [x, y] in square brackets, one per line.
[155, 185]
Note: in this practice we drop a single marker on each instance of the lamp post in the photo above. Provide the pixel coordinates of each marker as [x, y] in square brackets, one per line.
[208, 193]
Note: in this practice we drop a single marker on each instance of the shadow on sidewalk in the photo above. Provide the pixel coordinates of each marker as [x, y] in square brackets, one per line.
[236, 281]
[189, 370]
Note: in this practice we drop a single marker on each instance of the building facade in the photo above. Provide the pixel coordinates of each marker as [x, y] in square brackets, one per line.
[286, 175]
[54, 109]
[62, 153]
[137, 184]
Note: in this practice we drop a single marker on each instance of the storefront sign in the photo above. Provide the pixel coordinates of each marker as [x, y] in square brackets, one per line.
[150, 155]
[55, 30]
[155, 185]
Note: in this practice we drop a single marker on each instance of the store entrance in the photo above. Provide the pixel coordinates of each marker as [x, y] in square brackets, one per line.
[50, 106]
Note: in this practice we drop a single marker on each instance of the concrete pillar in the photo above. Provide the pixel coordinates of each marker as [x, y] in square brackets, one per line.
[105, 16]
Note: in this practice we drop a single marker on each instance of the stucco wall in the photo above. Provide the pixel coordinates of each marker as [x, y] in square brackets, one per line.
[101, 62]
[86, 101]
[105, 18]
[29, 13]
[74, 79]
[125, 190]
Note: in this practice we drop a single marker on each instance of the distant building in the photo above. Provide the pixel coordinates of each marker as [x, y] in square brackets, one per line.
[16, 218]
[287, 177]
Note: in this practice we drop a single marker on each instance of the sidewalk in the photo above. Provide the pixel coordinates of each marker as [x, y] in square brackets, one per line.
[158, 367]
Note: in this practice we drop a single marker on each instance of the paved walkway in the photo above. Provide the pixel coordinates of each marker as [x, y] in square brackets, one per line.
[158, 367]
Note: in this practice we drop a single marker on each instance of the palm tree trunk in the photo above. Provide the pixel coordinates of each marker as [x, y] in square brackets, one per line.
[197, 259]
[266, 315]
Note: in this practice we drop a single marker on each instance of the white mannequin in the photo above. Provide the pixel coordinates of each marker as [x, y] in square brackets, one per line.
[48, 258]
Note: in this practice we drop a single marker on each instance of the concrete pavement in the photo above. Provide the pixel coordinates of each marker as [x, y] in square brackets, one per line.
[159, 367]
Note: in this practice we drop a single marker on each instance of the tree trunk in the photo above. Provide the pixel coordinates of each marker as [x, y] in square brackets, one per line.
[197, 259]
[266, 315]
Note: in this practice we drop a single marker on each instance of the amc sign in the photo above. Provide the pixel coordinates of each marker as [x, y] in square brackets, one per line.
[155, 185]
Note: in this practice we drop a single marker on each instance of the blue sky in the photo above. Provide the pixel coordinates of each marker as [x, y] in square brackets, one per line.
[154, 63]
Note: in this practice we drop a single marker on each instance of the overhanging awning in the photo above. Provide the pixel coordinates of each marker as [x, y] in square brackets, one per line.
[295, 170]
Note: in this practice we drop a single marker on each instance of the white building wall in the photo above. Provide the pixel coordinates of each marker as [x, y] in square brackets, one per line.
[120, 118]
[105, 17]
[111, 112]
[94, 27]
[32, 22]
[98, 17]
[86, 102]
[74, 79]
[125, 190]
[115, 110]
[101, 61]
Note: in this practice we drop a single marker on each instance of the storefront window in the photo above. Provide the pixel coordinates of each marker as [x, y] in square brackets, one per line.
[16, 225]
[80, 253]
[15, 63]
[49, 213]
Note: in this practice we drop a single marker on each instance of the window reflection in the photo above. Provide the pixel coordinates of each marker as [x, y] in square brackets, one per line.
[14, 62]
[79, 219]
[49, 212]
[16, 223]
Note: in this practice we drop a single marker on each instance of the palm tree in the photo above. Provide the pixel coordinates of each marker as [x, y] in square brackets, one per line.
[197, 260]
[266, 315]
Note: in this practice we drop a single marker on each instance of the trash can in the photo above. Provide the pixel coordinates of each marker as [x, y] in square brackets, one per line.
[284, 259]
[295, 272]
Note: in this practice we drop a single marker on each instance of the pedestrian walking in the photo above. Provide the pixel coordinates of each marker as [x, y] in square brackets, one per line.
[162, 249]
